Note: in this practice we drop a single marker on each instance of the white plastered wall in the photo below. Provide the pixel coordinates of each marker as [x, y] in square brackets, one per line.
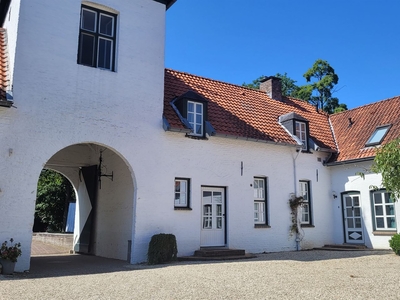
[345, 178]
[61, 103]
[217, 162]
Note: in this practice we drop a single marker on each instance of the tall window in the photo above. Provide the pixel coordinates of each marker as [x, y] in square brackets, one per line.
[301, 133]
[195, 117]
[260, 214]
[383, 211]
[306, 207]
[181, 192]
[97, 38]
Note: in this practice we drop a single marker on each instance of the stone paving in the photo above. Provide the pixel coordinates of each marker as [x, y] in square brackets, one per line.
[39, 249]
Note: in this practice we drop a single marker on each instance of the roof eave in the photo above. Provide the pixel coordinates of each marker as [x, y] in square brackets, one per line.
[168, 3]
[350, 161]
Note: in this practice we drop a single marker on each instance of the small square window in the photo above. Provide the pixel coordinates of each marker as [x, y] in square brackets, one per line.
[182, 190]
[384, 215]
[378, 135]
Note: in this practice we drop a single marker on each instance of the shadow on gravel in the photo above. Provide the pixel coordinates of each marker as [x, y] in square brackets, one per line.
[75, 265]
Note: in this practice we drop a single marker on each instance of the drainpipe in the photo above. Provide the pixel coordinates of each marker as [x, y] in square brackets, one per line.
[295, 194]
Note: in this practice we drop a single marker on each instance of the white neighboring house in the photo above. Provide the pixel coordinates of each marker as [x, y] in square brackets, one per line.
[215, 165]
[366, 215]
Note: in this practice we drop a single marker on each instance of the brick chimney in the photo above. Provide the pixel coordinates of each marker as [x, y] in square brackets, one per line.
[272, 86]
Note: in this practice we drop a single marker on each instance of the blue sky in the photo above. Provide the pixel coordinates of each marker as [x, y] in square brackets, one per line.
[237, 41]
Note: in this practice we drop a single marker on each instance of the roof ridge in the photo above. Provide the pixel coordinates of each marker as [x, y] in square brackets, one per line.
[368, 104]
[250, 89]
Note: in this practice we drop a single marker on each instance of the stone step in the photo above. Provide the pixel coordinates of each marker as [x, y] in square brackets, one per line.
[218, 252]
[343, 247]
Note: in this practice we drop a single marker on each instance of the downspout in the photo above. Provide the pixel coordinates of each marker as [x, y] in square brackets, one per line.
[298, 239]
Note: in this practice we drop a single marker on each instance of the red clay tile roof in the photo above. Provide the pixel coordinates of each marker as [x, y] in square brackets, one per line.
[3, 64]
[351, 139]
[245, 113]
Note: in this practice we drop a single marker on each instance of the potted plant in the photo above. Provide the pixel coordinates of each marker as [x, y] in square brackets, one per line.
[9, 255]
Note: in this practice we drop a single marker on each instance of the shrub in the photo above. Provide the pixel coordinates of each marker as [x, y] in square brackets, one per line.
[394, 243]
[162, 248]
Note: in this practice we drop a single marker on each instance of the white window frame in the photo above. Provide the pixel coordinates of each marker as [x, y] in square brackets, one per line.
[260, 200]
[384, 205]
[301, 133]
[181, 201]
[194, 114]
[304, 187]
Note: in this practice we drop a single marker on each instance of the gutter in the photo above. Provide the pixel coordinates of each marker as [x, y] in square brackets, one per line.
[350, 161]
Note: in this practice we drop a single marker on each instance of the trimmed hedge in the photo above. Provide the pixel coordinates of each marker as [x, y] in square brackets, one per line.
[394, 243]
[162, 249]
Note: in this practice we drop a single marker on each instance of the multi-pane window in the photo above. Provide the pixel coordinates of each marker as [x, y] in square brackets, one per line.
[301, 133]
[181, 192]
[383, 211]
[195, 117]
[259, 186]
[97, 38]
[306, 206]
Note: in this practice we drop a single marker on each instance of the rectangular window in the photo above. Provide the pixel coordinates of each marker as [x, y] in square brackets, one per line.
[378, 135]
[97, 38]
[306, 206]
[195, 117]
[384, 217]
[182, 189]
[301, 133]
[260, 213]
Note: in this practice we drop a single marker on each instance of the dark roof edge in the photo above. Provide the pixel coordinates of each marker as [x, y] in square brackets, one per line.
[168, 3]
[350, 161]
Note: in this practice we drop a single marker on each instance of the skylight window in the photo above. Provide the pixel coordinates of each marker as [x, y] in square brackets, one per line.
[378, 135]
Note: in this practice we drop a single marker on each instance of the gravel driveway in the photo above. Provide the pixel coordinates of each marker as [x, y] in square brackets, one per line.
[290, 275]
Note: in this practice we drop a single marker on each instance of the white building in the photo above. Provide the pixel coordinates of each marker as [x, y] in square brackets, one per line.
[150, 150]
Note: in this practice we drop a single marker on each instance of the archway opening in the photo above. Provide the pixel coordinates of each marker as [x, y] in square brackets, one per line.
[103, 185]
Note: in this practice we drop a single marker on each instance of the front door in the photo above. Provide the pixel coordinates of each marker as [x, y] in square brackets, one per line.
[213, 217]
[352, 218]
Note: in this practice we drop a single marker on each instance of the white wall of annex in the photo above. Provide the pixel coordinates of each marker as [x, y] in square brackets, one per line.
[217, 162]
[344, 178]
[61, 103]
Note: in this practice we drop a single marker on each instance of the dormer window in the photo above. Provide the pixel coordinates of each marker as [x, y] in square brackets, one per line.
[195, 117]
[378, 135]
[191, 109]
[301, 133]
[298, 127]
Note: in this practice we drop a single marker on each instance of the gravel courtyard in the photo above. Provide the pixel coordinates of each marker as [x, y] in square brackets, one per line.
[292, 275]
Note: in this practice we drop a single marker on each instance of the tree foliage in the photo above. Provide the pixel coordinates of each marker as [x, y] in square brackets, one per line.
[387, 162]
[321, 78]
[53, 192]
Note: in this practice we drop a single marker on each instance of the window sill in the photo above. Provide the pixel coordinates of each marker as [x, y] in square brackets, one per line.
[182, 208]
[307, 226]
[384, 233]
[196, 137]
[261, 226]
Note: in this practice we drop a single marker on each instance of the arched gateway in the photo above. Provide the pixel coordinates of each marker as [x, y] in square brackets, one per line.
[103, 182]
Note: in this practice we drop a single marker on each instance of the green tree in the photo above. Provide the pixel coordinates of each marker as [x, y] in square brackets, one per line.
[54, 192]
[289, 87]
[322, 80]
[319, 92]
[387, 162]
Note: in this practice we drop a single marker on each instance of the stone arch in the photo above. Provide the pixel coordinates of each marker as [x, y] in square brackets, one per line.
[105, 195]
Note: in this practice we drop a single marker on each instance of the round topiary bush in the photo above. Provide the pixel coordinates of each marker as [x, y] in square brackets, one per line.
[162, 249]
[394, 243]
